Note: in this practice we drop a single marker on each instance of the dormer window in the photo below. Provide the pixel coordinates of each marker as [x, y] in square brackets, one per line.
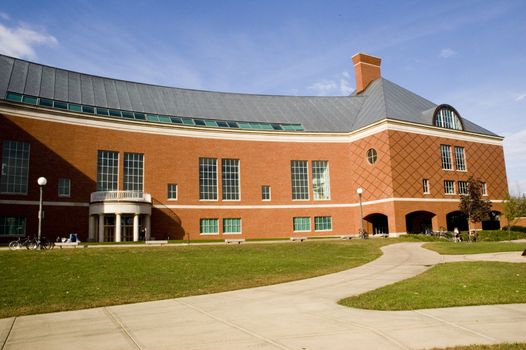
[447, 117]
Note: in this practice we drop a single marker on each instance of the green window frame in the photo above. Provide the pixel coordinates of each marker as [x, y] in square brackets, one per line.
[231, 225]
[323, 223]
[209, 226]
[64, 187]
[13, 225]
[301, 224]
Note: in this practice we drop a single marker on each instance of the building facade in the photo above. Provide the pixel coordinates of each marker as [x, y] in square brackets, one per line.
[127, 161]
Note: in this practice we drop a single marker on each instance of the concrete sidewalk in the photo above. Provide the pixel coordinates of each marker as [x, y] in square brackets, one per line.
[297, 315]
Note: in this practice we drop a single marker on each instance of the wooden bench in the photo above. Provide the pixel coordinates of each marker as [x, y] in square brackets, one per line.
[345, 237]
[298, 239]
[234, 240]
[66, 244]
[156, 242]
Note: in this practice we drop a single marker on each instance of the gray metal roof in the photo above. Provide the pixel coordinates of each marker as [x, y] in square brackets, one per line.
[382, 99]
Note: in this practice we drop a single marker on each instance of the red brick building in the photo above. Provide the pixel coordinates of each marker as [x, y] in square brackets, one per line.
[126, 160]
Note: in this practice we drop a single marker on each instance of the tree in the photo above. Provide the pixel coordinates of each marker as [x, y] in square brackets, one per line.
[514, 208]
[472, 205]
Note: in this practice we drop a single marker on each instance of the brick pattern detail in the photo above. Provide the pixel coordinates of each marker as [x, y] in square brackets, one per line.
[416, 157]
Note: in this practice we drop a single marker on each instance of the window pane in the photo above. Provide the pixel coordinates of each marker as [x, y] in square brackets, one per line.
[462, 187]
[12, 226]
[209, 226]
[107, 171]
[230, 178]
[172, 191]
[133, 171]
[15, 167]
[425, 185]
[300, 179]
[445, 151]
[449, 187]
[208, 178]
[320, 179]
[64, 187]
[265, 193]
[323, 223]
[231, 225]
[301, 223]
[460, 158]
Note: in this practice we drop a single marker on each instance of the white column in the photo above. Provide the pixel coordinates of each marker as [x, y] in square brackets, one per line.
[117, 227]
[135, 227]
[91, 228]
[101, 227]
[147, 227]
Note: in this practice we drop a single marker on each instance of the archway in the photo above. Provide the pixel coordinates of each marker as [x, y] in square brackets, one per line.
[419, 221]
[492, 222]
[377, 223]
[457, 219]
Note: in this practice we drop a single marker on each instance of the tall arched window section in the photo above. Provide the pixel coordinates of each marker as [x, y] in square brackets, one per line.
[447, 117]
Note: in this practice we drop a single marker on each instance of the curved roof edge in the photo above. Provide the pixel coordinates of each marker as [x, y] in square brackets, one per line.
[381, 100]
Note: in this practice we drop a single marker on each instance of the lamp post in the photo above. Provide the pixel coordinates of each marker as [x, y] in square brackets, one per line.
[42, 181]
[359, 190]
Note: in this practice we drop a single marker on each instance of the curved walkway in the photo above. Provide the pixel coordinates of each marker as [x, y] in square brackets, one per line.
[296, 315]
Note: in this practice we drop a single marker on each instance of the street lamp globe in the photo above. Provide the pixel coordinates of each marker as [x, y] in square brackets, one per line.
[359, 190]
[42, 181]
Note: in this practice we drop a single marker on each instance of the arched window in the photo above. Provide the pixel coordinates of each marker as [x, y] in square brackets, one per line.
[447, 117]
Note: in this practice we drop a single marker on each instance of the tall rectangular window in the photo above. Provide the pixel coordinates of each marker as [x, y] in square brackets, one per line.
[209, 226]
[445, 151]
[208, 178]
[484, 189]
[133, 172]
[320, 180]
[231, 225]
[64, 187]
[12, 225]
[15, 167]
[265, 193]
[323, 223]
[301, 224]
[462, 187]
[460, 158]
[300, 179]
[108, 171]
[449, 187]
[230, 179]
[172, 191]
[425, 186]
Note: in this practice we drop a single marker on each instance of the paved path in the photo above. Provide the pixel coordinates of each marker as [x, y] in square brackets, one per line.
[297, 315]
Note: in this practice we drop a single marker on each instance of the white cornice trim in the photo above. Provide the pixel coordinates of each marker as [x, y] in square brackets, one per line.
[263, 206]
[45, 203]
[242, 135]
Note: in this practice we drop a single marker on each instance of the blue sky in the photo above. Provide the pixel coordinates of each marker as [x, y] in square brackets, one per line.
[470, 54]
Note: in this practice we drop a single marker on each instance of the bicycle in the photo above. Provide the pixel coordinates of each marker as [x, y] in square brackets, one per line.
[43, 243]
[19, 244]
[363, 234]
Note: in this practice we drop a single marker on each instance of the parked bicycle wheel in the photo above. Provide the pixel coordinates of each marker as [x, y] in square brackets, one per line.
[15, 245]
[32, 244]
[47, 244]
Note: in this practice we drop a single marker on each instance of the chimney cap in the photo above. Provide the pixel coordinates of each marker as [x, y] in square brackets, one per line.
[361, 57]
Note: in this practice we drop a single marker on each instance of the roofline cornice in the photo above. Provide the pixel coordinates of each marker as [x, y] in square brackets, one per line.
[72, 118]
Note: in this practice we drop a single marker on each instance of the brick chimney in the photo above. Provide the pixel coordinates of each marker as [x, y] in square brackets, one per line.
[366, 69]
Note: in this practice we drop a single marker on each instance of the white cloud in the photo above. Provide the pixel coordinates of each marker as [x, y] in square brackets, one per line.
[341, 86]
[447, 53]
[20, 41]
[519, 97]
[4, 16]
[515, 152]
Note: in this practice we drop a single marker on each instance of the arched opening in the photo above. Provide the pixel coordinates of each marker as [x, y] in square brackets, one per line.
[419, 221]
[377, 224]
[457, 219]
[492, 222]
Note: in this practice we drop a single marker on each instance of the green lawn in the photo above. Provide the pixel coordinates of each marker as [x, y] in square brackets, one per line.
[446, 285]
[66, 279]
[451, 248]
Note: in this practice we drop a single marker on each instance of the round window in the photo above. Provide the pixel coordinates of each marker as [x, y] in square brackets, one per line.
[372, 156]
